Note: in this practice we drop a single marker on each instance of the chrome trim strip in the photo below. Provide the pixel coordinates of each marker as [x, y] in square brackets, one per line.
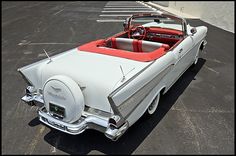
[141, 93]
[177, 78]
[116, 112]
[113, 106]
[185, 68]
[96, 112]
[190, 50]
[136, 99]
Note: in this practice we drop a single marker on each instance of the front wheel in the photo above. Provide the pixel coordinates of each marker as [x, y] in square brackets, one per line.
[153, 106]
[197, 55]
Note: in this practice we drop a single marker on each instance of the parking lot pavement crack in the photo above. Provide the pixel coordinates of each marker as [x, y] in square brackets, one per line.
[203, 111]
[189, 123]
[35, 140]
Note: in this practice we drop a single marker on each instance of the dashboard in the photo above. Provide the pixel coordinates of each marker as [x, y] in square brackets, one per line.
[151, 35]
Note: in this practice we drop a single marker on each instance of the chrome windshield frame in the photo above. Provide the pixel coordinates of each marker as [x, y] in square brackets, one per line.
[127, 23]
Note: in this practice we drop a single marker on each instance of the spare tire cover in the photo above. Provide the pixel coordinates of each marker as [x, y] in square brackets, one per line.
[64, 92]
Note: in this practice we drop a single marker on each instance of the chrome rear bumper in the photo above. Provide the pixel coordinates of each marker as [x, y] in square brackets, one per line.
[76, 128]
[88, 120]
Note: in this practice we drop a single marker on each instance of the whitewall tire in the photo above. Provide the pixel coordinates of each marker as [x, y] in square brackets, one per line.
[153, 106]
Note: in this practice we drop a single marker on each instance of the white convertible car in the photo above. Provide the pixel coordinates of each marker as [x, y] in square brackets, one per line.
[108, 84]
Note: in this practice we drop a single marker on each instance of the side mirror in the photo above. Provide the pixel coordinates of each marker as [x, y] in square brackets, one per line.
[193, 31]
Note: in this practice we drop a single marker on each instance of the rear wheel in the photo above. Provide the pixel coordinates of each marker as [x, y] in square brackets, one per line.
[196, 60]
[153, 106]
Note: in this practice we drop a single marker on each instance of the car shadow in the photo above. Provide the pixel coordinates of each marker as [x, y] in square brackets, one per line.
[34, 122]
[92, 140]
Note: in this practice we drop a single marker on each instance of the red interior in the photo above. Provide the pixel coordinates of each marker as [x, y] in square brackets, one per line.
[136, 45]
[165, 31]
[97, 47]
[170, 41]
[100, 46]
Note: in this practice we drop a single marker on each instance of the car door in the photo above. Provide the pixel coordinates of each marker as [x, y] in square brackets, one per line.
[183, 54]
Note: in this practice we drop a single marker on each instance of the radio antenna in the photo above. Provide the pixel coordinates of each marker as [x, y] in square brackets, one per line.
[50, 60]
[122, 74]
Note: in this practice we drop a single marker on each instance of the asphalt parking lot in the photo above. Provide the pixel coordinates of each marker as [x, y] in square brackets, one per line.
[196, 116]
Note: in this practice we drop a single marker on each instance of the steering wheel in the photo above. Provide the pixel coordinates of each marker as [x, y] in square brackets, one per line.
[137, 32]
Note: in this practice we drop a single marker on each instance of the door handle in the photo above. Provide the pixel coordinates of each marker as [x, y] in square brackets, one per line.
[180, 51]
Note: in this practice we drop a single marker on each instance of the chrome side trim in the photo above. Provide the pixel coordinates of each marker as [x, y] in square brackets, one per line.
[194, 46]
[177, 78]
[131, 103]
[128, 106]
[113, 106]
[97, 112]
[187, 67]
[116, 112]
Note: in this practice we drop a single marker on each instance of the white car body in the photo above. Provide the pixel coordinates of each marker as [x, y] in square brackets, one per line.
[105, 92]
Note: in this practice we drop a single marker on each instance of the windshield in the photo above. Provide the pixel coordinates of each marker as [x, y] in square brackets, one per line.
[157, 21]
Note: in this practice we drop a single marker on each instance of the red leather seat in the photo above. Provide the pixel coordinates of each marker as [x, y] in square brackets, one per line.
[135, 45]
[124, 44]
[148, 46]
[104, 47]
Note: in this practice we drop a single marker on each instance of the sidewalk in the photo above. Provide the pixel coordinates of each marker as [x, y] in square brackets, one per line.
[173, 11]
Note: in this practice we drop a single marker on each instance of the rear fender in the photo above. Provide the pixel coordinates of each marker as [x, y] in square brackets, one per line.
[32, 73]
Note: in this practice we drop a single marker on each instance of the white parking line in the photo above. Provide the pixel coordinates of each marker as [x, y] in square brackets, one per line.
[122, 2]
[122, 20]
[119, 20]
[58, 12]
[110, 20]
[123, 9]
[129, 11]
[138, 6]
[116, 15]
[127, 8]
[30, 43]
